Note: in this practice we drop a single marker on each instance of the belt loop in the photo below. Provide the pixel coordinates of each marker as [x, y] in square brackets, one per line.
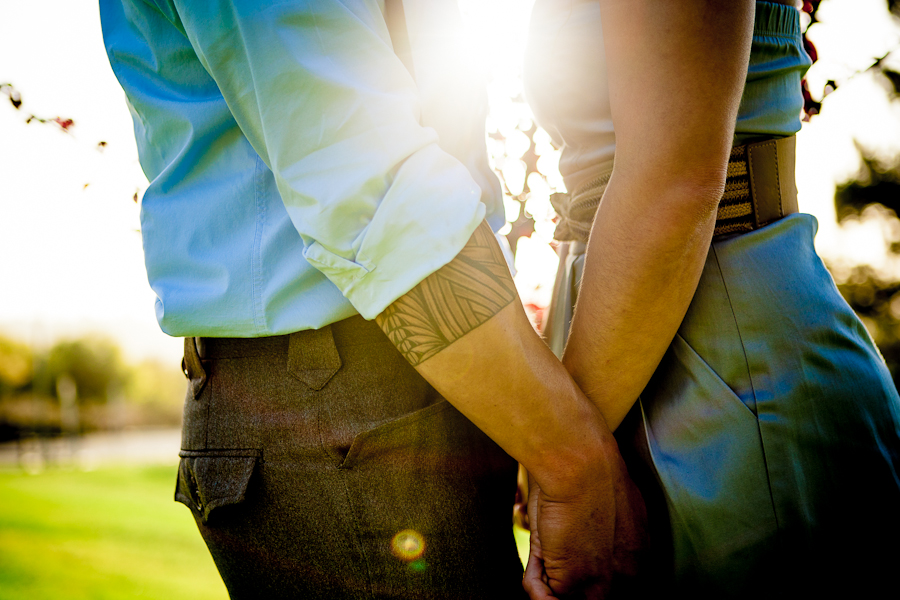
[313, 357]
[192, 367]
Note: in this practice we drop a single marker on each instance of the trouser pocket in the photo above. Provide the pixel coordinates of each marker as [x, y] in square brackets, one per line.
[707, 451]
[211, 479]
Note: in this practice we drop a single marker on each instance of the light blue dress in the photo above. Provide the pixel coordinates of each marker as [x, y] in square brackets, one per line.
[767, 443]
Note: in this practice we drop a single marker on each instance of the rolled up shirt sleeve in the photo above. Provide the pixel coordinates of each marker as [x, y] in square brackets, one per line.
[318, 91]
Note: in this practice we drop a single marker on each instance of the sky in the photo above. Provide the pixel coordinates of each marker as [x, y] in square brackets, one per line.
[70, 257]
[70, 250]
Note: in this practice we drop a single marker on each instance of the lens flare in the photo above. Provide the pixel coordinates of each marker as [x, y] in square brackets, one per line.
[408, 545]
[418, 566]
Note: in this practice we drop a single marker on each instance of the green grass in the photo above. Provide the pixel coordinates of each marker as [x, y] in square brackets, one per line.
[108, 534]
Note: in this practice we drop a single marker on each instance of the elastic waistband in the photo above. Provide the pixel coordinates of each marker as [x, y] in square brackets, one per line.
[759, 189]
[776, 20]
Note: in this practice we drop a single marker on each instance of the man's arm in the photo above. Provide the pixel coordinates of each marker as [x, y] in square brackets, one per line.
[464, 329]
[676, 73]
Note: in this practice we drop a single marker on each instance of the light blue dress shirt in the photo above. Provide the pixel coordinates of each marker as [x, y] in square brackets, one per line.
[298, 172]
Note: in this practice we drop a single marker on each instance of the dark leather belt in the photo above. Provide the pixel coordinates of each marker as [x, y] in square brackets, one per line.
[759, 189]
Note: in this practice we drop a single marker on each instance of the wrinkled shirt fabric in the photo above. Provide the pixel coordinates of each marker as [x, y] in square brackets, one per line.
[299, 173]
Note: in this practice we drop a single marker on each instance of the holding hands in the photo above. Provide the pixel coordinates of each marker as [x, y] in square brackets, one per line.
[590, 543]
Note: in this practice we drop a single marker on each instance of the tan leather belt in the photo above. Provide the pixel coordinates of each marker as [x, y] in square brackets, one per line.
[759, 189]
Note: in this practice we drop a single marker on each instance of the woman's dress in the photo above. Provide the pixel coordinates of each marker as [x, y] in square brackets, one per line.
[767, 443]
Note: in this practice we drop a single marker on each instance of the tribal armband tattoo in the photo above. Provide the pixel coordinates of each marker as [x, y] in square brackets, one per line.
[452, 301]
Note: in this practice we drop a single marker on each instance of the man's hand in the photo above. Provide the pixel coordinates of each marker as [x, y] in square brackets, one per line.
[606, 524]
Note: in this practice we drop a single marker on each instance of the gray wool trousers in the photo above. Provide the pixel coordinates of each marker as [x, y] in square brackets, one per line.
[321, 465]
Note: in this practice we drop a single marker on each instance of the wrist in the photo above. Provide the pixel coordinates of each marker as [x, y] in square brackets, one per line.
[589, 456]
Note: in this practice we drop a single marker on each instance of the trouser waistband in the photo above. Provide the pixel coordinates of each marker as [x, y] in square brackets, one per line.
[312, 355]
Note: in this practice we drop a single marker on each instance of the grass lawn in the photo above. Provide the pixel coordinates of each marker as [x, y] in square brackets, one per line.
[108, 534]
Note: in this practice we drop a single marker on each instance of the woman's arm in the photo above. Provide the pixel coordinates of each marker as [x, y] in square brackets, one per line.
[676, 73]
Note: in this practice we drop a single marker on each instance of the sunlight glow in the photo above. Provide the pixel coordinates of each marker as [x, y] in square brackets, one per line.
[78, 262]
[408, 545]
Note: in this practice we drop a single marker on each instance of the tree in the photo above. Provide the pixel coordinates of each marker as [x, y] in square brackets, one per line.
[93, 364]
[873, 195]
[15, 366]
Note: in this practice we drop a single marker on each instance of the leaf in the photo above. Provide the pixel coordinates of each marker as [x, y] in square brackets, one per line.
[810, 7]
[810, 49]
[893, 78]
[810, 107]
[65, 124]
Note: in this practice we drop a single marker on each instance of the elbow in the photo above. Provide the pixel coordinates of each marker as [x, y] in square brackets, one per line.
[701, 181]
[675, 184]
[690, 200]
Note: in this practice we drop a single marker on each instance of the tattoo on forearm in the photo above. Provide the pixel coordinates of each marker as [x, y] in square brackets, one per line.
[452, 301]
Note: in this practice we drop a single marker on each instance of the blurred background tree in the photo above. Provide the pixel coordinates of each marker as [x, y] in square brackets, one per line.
[83, 385]
[870, 199]
[873, 196]
[94, 366]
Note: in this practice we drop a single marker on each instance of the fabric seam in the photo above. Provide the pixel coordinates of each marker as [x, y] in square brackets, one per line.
[256, 284]
[752, 387]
